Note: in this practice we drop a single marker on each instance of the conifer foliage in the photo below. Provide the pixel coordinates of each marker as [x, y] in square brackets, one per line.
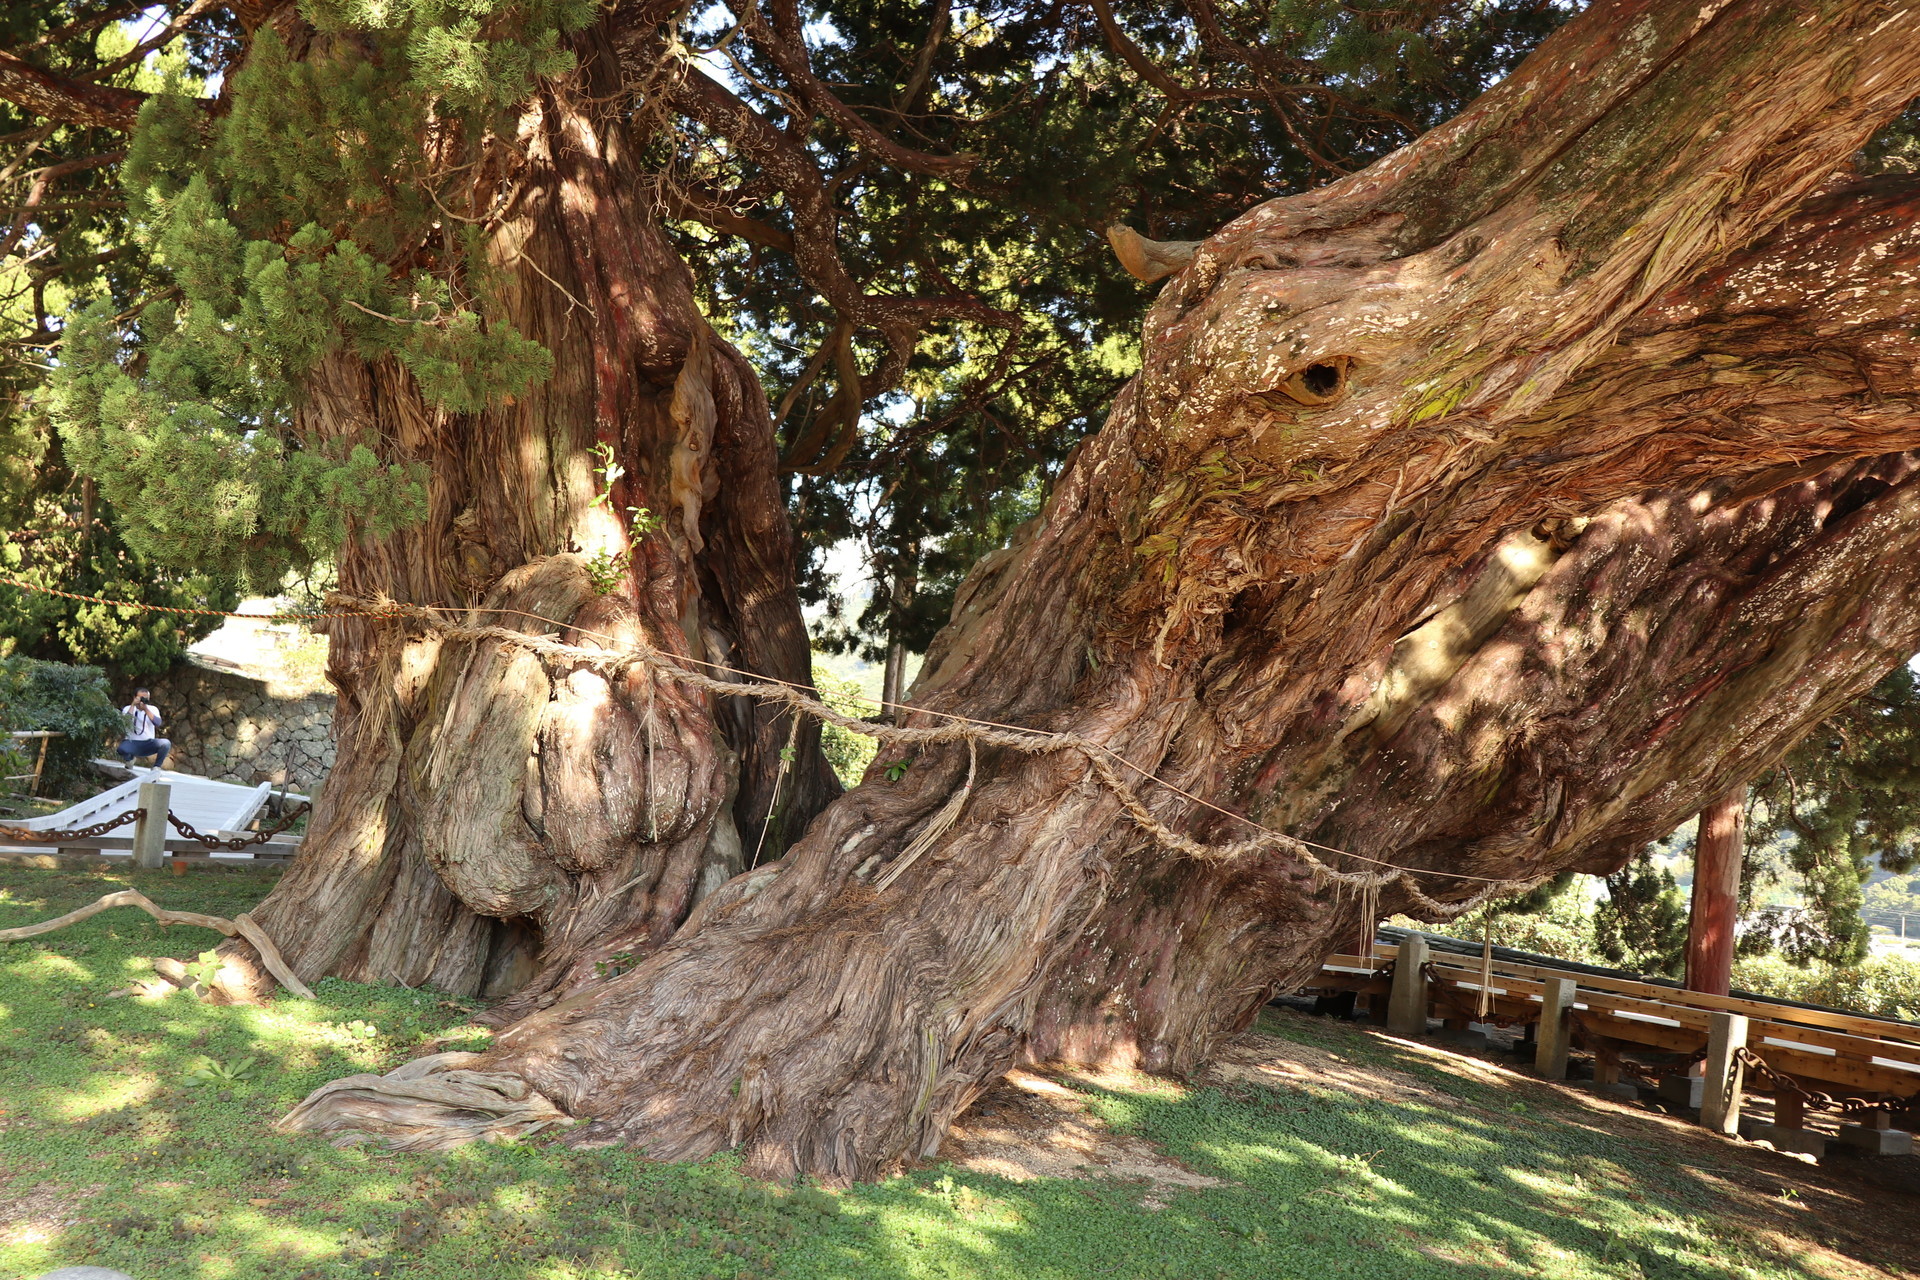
[298, 223]
[1844, 802]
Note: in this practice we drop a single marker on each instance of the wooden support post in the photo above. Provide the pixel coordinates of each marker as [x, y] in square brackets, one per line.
[1789, 1110]
[1407, 1006]
[1717, 851]
[1720, 1095]
[150, 828]
[1556, 1028]
[1606, 1062]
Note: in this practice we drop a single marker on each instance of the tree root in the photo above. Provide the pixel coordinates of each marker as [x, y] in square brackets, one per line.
[241, 926]
[429, 1104]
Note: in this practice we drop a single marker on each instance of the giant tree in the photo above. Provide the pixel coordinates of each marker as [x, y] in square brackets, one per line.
[1472, 517]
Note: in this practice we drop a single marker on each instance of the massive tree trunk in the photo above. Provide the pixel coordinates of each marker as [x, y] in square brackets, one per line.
[502, 826]
[1478, 516]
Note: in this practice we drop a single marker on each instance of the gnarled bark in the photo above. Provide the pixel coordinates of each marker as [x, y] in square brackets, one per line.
[498, 825]
[1480, 514]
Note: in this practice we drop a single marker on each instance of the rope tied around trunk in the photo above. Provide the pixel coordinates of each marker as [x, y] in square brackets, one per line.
[1100, 758]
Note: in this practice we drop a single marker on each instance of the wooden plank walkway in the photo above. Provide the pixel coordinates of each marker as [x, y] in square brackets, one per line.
[1797, 1053]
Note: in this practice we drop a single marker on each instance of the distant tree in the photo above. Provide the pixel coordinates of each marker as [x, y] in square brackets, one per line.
[1842, 802]
[1641, 924]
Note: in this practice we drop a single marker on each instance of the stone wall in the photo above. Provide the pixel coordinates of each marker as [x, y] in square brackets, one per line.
[237, 727]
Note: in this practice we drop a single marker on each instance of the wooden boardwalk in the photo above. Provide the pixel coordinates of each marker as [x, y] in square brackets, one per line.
[1865, 1071]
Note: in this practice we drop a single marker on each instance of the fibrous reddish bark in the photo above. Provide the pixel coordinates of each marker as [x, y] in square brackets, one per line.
[1714, 908]
[497, 825]
[1481, 514]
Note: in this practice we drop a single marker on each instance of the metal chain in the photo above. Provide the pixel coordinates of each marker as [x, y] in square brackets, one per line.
[23, 835]
[1815, 1100]
[261, 836]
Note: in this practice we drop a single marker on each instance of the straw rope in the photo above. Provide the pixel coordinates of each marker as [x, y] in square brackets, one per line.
[1101, 759]
[1105, 763]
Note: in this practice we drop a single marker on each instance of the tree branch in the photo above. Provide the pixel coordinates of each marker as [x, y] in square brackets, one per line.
[1131, 54]
[156, 41]
[43, 179]
[710, 210]
[81, 26]
[784, 43]
[53, 97]
[785, 161]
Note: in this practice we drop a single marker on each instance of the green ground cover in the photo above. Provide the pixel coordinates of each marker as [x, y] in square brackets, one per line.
[135, 1133]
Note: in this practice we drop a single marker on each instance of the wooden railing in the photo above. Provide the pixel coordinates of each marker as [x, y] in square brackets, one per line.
[1802, 1056]
[42, 737]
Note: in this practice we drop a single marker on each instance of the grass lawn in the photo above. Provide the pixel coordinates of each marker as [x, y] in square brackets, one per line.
[136, 1133]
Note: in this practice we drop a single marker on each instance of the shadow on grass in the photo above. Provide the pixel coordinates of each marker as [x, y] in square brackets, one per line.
[137, 1134]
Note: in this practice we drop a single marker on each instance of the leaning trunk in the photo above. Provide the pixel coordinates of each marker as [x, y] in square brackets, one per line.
[500, 825]
[1473, 519]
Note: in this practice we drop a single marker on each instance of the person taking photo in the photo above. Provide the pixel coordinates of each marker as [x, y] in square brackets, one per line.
[143, 731]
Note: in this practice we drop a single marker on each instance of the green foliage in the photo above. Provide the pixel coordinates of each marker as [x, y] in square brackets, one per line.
[1555, 920]
[51, 538]
[466, 54]
[299, 226]
[1642, 922]
[607, 568]
[52, 696]
[1452, 1173]
[1880, 987]
[848, 752]
[1843, 801]
[55, 531]
[211, 1071]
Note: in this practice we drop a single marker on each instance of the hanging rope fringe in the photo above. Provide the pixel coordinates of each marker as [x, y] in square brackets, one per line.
[779, 780]
[1486, 967]
[618, 658]
[949, 812]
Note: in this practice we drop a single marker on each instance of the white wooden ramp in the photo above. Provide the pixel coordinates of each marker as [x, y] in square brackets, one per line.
[212, 808]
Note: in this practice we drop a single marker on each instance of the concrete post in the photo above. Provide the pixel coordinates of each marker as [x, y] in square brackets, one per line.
[150, 828]
[1407, 1006]
[1556, 1028]
[1721, 1090]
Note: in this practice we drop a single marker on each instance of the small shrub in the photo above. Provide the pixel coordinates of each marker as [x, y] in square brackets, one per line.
[1879, 987]
[53, 696]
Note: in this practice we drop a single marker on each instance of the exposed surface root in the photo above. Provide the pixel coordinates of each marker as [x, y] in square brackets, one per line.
[429, 1104]
[1029, 1125]
[242, 926]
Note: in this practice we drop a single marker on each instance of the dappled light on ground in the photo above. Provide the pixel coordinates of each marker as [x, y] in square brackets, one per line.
[135, 1132]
